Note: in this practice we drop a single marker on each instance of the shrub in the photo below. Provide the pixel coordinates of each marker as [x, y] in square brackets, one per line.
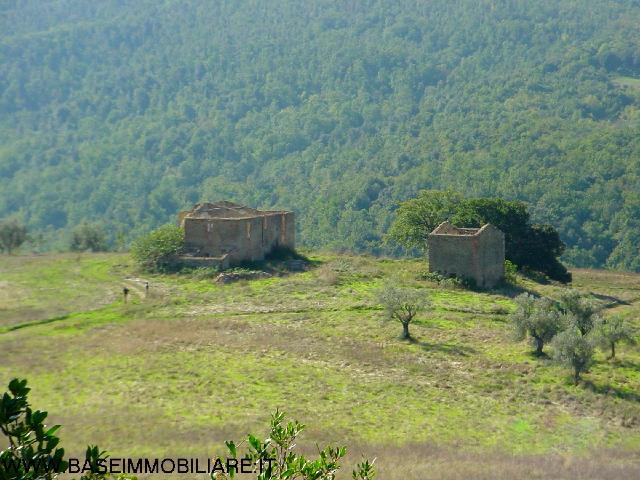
[442, 280]
[449, 281]
[510, 272]
[574, 350]
[276, 454]
[202, 273]
[12, 235]
[89, 237]
[158, 251]
[538, 318]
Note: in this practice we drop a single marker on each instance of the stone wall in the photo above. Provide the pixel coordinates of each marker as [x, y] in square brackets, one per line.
[242, 239]
[491, 257]
[476, 254]
[219, 263]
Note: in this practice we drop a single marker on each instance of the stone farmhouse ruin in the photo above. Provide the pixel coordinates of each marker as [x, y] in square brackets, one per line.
[472, 253]
[225, 233]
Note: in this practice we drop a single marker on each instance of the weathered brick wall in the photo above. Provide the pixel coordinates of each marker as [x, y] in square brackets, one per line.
[491, 254]
[479, 257]
[453, 255]
[288, 230]
[240, 238]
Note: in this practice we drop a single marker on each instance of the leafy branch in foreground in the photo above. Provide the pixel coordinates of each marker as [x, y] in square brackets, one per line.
[33, 452]
[274, 458]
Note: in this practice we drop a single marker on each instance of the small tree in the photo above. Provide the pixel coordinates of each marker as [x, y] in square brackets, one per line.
[12, 235]
[88, 237]
[402, 304]
[580, 310]
[156, 251]
[574, 350]
[612, 330]
[274, 458]
[538, 318]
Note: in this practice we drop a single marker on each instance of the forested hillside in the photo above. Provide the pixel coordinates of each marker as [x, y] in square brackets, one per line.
[125, 111]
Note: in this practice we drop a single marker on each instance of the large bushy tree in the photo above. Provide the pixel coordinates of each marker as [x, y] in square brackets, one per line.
[527, 245]
[417, 217]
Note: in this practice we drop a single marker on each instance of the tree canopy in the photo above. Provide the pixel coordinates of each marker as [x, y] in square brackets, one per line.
[126, 112]
[533, 246]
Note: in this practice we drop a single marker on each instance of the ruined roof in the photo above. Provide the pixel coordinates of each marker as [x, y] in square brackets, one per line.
[446, 228]
[224, 209]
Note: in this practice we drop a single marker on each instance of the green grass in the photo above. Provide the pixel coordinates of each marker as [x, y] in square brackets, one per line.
[197, 363]
[36, 288]
[630, 82]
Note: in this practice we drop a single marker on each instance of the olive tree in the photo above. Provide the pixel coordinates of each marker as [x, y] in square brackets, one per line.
[574, 350]
[581, 311]
[537, 318]
[402, 304]
[612, 330]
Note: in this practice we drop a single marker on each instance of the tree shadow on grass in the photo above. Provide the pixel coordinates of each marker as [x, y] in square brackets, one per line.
[624, 363]
[447, 348]
[539, 356]
[612, 301]
[512, 291]
[282, 261]
[612, 391]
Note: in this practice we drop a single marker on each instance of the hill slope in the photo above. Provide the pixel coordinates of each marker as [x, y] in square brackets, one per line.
[127, 111]
[198, 363]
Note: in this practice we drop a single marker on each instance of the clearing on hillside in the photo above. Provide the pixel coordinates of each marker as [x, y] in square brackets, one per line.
[197, 363]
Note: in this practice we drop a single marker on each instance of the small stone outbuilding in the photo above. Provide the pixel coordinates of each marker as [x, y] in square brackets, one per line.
[472, 253]
[228, 233]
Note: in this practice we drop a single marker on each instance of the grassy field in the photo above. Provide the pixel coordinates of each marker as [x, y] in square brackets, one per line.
[196, 363]
[627, 82]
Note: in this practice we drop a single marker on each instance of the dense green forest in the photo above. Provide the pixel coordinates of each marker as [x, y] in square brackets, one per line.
[125, 111]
